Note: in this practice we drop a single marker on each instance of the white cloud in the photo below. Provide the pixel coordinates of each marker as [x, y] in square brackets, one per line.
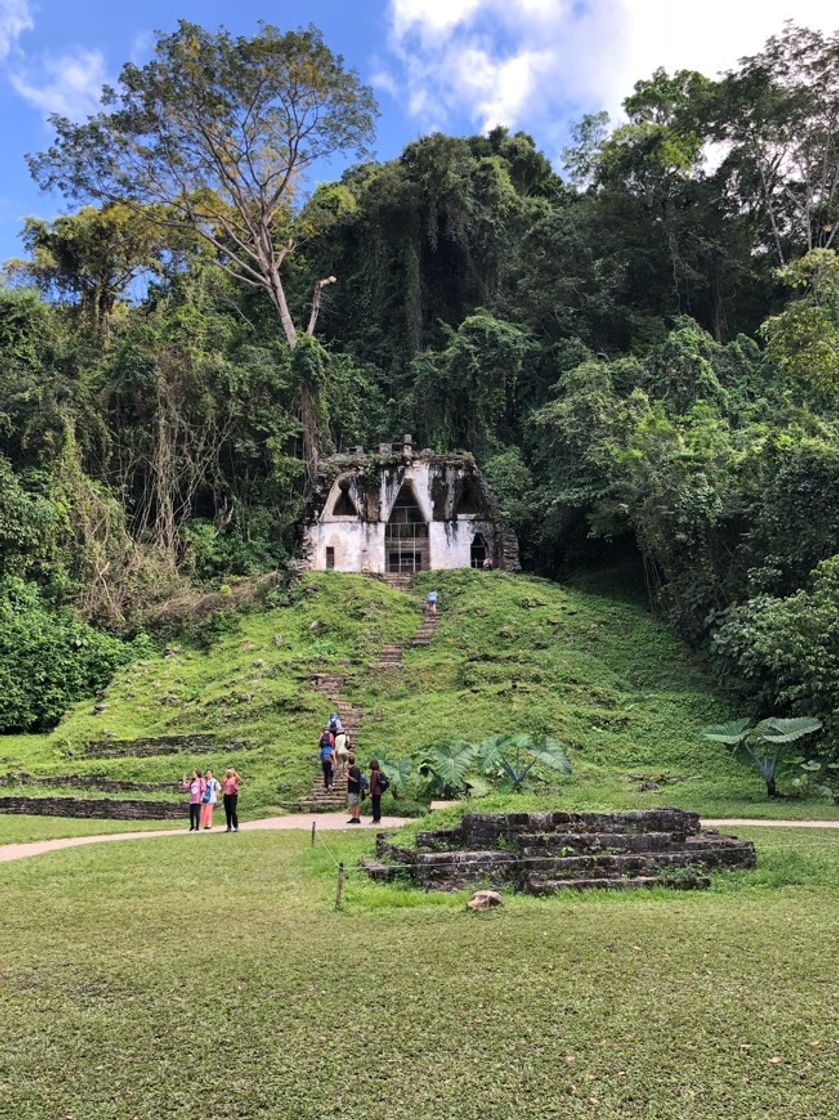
[69, 83]
[542, 63]
[15, 18]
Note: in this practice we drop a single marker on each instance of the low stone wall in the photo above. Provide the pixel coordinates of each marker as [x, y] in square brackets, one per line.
[108, 807]
[544, 852]
[89, 781]
[161, 745]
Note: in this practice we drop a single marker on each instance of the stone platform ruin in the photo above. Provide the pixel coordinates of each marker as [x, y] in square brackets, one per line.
[541, 853]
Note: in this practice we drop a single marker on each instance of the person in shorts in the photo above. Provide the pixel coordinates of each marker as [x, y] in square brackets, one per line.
[354, 791]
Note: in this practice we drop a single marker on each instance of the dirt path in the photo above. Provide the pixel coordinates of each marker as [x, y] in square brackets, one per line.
[303, 821]
[325, 821]
[748, 822]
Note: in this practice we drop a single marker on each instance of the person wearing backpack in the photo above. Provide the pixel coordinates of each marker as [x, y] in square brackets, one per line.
[378, 785]
[335, 725]
[326, 743]
[431, 601]
[354, 780]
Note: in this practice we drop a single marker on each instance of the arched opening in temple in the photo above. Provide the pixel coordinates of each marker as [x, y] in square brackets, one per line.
[478, 552]
[406, 534]
[344, 505]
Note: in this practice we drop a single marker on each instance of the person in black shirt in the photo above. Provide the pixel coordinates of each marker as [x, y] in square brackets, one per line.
[354, 791]
[376, 790]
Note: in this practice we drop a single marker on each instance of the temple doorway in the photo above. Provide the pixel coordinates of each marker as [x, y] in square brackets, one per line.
[479, 551]
[406, 535]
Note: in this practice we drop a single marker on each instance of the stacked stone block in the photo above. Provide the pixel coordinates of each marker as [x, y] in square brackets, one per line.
[541, 853]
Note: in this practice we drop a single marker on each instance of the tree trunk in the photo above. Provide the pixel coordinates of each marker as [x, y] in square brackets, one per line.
[309, 412]
[771, 788]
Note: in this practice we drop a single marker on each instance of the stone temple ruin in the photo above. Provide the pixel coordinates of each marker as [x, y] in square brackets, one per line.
[541, 853]
[398, 511]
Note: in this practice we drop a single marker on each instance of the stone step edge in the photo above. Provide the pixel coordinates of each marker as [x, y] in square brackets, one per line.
[635, 882]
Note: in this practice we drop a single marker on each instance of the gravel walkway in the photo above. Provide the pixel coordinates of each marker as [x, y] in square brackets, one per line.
[328, 821]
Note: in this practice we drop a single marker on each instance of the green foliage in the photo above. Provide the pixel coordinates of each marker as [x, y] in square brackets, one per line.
[447, 765]
[467, 393]
[803, 340]
[765, 744]
[506, 755]
[49, 662]
[217, 131]
[785, 649]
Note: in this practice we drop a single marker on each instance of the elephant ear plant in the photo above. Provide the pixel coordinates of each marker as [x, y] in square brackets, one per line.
[513, 757]
[763, 745]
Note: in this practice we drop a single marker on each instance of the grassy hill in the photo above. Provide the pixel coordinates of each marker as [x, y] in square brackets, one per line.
[510, 654]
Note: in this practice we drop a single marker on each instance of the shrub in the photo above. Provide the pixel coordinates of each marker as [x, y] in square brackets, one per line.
[49, 661]
[787, 649]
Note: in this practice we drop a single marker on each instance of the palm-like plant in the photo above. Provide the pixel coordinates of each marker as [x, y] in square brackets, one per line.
[514, 756]
[763, 745]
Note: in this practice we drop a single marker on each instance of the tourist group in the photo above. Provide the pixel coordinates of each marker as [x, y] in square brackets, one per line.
[203, 792]
[336, 756]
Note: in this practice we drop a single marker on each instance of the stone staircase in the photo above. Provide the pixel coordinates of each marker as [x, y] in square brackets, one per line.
[541, 853]
[403, 582]
[330, 684]
[430, 622]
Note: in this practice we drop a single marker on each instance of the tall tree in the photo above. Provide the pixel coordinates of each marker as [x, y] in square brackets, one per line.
[90, 257]
[220, 131]
[780, 119]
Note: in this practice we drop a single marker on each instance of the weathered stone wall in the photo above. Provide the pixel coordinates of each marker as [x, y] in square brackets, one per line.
[107, 807]
[544, 852]
[162, 744]
[89, 781]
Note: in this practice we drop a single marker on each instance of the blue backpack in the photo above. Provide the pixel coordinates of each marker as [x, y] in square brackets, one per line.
[325, 752]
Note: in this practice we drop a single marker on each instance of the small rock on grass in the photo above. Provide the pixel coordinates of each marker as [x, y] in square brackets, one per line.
[483, 900]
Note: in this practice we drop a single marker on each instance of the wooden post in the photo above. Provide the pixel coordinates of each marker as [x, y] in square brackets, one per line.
[340, 889]
[314, 826]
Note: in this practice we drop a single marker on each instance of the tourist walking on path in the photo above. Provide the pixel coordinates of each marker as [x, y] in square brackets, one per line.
[431, 600]
[327, 757]
[378, 785]
[231, 799]
[195, 786]
[354, 791]
[342, 752]
[209, 799]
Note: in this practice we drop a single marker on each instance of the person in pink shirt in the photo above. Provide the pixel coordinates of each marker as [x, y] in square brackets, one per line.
[196, 786]
[209, 798]
[230, 786]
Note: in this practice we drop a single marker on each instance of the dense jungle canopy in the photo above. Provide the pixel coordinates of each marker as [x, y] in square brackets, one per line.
[641, 349]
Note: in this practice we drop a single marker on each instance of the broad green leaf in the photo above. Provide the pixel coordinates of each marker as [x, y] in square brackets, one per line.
[552, 754]
[732, 733]
[450, 762]
[397, 771]
[787, 730]
[476, 786]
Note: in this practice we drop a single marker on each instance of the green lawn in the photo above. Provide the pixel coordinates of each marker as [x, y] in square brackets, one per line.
[20, 828]
[139, 979]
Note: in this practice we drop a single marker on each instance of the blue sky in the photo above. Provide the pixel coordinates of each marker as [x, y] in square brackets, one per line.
[458, 65]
